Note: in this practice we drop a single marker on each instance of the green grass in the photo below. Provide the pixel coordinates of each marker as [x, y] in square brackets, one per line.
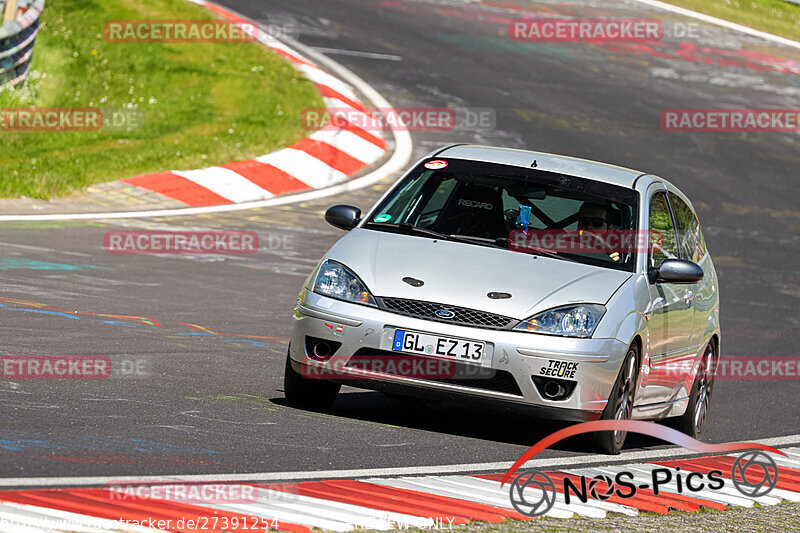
[200, 104]
[772, 16]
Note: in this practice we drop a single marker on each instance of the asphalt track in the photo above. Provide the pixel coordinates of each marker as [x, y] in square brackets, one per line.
[211, 339]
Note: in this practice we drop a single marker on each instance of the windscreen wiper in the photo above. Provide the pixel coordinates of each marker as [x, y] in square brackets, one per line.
[408, 228]
[554, 255]
[500, 242]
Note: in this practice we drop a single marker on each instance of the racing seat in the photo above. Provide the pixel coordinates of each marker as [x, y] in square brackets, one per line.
[473, 210]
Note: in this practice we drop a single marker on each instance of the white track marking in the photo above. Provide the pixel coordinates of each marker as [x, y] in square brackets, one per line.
[273, 512]
[358, 118]
[442, 488]
[727, 494]
[449, 486]
[351, 144]
[323, 78]
[20, 520]
[273, 43]
[312, 171]
[720, 22]
[780, 460]
[727, 491]
[590, 511]
[19, 528]
[226, 183]
[354, 510]
[640, 477]
[793, 453]
[493, 489]
[607, 506]
[356, 53]
[554, 462]
[318, 508]
[55, 519]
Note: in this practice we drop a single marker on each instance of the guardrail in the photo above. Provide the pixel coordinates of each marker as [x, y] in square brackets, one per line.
[16, 39]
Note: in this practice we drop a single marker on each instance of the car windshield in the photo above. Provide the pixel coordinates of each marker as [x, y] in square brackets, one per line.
[522, 210]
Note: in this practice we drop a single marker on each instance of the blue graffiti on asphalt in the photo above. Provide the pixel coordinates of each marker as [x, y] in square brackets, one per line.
[254, 343]
[21, 440]
[42, 311]
[32, 264]
[128, 324]
[138, 322]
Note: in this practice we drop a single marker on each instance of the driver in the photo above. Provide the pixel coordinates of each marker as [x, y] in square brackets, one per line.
[593, 216]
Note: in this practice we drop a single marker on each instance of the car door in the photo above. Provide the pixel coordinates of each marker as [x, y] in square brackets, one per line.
[670, 319]
[700, 295]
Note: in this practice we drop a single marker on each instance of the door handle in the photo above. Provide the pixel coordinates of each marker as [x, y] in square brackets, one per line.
[655, 307]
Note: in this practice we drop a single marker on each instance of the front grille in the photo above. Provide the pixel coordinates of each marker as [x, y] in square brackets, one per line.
[471, 376]
[462, 315]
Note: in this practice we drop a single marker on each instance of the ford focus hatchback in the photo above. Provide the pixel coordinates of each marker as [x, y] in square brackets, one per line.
[559, 287]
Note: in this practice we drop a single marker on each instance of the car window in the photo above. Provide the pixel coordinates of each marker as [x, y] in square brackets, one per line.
[662, 234]
[490, 204]
[436, 202]
[397, 208]
[690, 238]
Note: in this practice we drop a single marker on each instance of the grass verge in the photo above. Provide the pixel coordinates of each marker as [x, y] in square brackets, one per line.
[193, 104]
[772, 16]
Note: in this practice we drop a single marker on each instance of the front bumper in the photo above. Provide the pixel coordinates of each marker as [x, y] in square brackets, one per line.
[504, 378]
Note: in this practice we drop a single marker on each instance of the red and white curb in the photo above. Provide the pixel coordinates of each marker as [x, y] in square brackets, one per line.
[431, 501]
[325, 158]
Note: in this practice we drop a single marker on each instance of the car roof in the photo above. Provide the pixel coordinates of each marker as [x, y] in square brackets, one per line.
[583, 168]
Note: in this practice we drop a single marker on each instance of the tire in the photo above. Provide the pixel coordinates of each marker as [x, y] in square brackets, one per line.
[620, 403]
[695, 420]
[309, 393]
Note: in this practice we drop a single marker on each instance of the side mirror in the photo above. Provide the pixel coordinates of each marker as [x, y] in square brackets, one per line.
[676, 271]
[343, 216]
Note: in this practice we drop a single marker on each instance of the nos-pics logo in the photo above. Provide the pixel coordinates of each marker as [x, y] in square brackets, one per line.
[534, 492]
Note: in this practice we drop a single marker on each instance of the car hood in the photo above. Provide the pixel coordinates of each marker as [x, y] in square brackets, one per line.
[462, 274]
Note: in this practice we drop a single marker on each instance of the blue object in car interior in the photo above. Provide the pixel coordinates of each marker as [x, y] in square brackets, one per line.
[524, 216]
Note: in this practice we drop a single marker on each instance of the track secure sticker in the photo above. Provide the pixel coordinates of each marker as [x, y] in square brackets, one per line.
[559, 369]
[436, 164]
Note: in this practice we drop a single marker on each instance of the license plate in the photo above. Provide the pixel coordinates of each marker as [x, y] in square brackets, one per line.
[466, 351]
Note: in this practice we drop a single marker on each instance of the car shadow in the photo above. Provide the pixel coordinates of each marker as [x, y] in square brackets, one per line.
[472, 422]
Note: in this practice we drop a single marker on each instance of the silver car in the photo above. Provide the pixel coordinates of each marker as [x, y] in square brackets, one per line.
[471, 281]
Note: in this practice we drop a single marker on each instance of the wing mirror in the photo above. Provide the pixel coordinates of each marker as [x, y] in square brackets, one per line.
[676, 271]
[343, 216]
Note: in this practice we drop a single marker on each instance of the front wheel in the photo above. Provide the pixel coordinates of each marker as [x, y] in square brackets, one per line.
[695, 420]
[620, 403]
[308, 393]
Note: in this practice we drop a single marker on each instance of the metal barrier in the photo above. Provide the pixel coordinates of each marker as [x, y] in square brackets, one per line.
[16, 39]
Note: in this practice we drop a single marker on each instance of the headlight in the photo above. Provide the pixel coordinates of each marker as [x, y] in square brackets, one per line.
[569, 321]
[337, 281]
